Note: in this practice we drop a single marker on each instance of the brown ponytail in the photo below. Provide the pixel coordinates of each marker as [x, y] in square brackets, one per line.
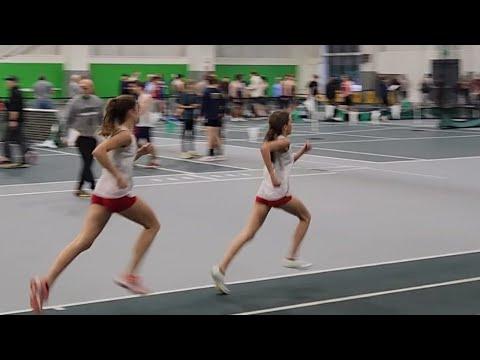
[116, 113]
[276, 122]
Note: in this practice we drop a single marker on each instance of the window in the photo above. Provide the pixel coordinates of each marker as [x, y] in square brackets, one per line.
[347, 64]
[337, 49]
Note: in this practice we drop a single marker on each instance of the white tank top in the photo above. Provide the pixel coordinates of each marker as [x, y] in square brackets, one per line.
[145, 120]
[283, 165]
[122, 159]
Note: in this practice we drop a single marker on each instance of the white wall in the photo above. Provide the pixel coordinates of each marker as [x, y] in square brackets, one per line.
[306, 57]
[201, 57]
[412, 60]
[265, 51]
[415, 60]
[9, 51]
[137, 50]
[470, 59]
[413, 63]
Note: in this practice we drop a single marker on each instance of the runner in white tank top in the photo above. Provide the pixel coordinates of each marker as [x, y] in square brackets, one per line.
[145, 122]
[274, 192]
[112, 195]
[122, 159]
[283, 165]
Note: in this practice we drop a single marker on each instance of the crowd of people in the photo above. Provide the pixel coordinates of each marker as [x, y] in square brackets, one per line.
[209, 100]
[247, 97]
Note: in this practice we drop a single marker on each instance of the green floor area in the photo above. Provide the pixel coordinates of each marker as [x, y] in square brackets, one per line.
[320, 286]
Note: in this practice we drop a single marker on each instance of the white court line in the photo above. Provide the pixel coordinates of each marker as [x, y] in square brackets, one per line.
[360, 296]
[426, 128]
[392, 171]
[429, 160]
[314, 155]
[409, 160]
[337, 167]
[357, 136]
[180, 172]
[296, 134]
[206, 163]
[406, 173]
[37, 193]
[354, 160]
[366, 153]
[189, 173]
[162, 168]
[45, 183]
[171, 158]
[324, 163]
[135, 177]
[207, 180]
[202, 137]
[55, 151]
[304, 273]
[354, 131]
[391, 139]
[241, 179]
[339, 133]
[164, 145]
[43, 155]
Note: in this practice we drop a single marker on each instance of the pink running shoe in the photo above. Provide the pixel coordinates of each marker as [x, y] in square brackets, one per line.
[132, 283]
[153, 164]
[38, 294]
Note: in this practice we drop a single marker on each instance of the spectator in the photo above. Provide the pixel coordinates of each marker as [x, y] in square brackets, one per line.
[43, 91]
[236, 92]
[14, 132]
[124, 90]
[84, 113]
[73, 86]
[213, 109]
[426, 88]
[331, 90]
[346, 89]
[188, 102]
[313, 86]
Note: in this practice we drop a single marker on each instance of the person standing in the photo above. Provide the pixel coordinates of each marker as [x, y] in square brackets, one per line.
[84, 113]
[15, 122]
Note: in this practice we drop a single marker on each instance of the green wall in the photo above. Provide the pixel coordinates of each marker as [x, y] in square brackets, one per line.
[107, 76]
[28, 74]
[269, 71]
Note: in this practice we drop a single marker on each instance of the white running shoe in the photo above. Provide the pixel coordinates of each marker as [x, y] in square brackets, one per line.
[194, 154]
[296, 264]
[219, 280]
[185, 155]
[207, 158]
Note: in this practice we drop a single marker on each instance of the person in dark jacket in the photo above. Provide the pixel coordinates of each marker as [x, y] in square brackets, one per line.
[14, 132]
[382, 91]
[330, 90]
[213, 110]
[124, 85]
